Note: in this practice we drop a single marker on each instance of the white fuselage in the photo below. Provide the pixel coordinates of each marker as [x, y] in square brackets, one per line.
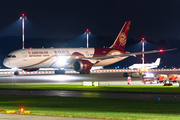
[147, 65]
[57, 57]
[142, 66]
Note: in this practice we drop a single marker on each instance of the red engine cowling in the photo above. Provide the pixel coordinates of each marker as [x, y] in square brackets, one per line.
[82, 65]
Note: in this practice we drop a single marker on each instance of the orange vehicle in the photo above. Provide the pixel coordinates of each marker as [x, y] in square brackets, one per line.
[174, 78]
[162, 78]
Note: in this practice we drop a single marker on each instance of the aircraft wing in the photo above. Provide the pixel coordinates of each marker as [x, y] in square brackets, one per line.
[125, 55]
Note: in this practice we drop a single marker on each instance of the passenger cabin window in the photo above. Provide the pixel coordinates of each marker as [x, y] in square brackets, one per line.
[45, 55]
[34, 55]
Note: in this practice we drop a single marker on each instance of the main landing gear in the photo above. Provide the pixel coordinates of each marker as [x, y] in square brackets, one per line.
[59, 71]
[85, 72]
[16, 73]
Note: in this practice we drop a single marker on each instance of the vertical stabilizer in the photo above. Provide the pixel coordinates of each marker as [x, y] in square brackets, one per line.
[121, 39]
[157, 61]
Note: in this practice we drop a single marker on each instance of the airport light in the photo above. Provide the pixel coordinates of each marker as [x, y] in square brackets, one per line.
[23, 17]
[87, 33]
[143, 40]
[22, 109]
[62, 60]
[161, 50]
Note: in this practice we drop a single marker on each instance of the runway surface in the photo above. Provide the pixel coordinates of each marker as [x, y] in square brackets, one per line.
[102, 78]
[72, 78]
[62, 79]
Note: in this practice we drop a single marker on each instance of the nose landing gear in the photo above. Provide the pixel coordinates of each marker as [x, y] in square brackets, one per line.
[16, 73]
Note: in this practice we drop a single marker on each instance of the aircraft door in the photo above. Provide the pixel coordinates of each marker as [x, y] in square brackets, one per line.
[87, 53]
[24, 55]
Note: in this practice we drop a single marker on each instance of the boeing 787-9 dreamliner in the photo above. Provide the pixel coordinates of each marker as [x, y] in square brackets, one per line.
[80, 59]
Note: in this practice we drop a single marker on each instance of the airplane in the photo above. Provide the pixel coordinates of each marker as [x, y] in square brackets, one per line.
[147, 65]
[80, 59]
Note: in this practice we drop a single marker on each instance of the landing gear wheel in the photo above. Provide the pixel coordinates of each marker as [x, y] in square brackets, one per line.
[125, 75]
[88, 72]
[16, 73]
[56, 72]
[85, 72]
[63, 71]
[59, 71]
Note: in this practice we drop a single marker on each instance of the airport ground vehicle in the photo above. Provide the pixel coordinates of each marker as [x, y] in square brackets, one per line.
[132, 74]
[174, 78]
[162, 78]
[148, 77]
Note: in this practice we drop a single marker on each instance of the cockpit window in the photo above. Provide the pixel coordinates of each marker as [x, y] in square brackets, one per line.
[11, 56]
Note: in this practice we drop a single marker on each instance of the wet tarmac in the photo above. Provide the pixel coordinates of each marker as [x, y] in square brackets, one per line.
[67, 93]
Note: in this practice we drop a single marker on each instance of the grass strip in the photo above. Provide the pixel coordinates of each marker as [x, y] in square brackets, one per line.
[102, 108]
[122, 88]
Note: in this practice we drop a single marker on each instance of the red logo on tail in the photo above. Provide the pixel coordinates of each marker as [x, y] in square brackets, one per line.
[121, 39]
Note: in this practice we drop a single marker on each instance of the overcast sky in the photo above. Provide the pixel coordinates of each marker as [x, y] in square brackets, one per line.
[152, 19]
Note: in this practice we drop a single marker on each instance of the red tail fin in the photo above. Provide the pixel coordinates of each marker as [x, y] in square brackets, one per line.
[121, 39]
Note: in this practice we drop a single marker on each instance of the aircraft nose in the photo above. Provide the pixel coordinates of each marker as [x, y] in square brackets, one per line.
[6, 63]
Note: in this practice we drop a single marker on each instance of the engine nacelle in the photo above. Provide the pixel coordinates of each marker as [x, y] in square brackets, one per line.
[82, 65]
[29, 70]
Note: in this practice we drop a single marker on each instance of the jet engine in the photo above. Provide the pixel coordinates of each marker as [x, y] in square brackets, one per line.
[82, 66]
